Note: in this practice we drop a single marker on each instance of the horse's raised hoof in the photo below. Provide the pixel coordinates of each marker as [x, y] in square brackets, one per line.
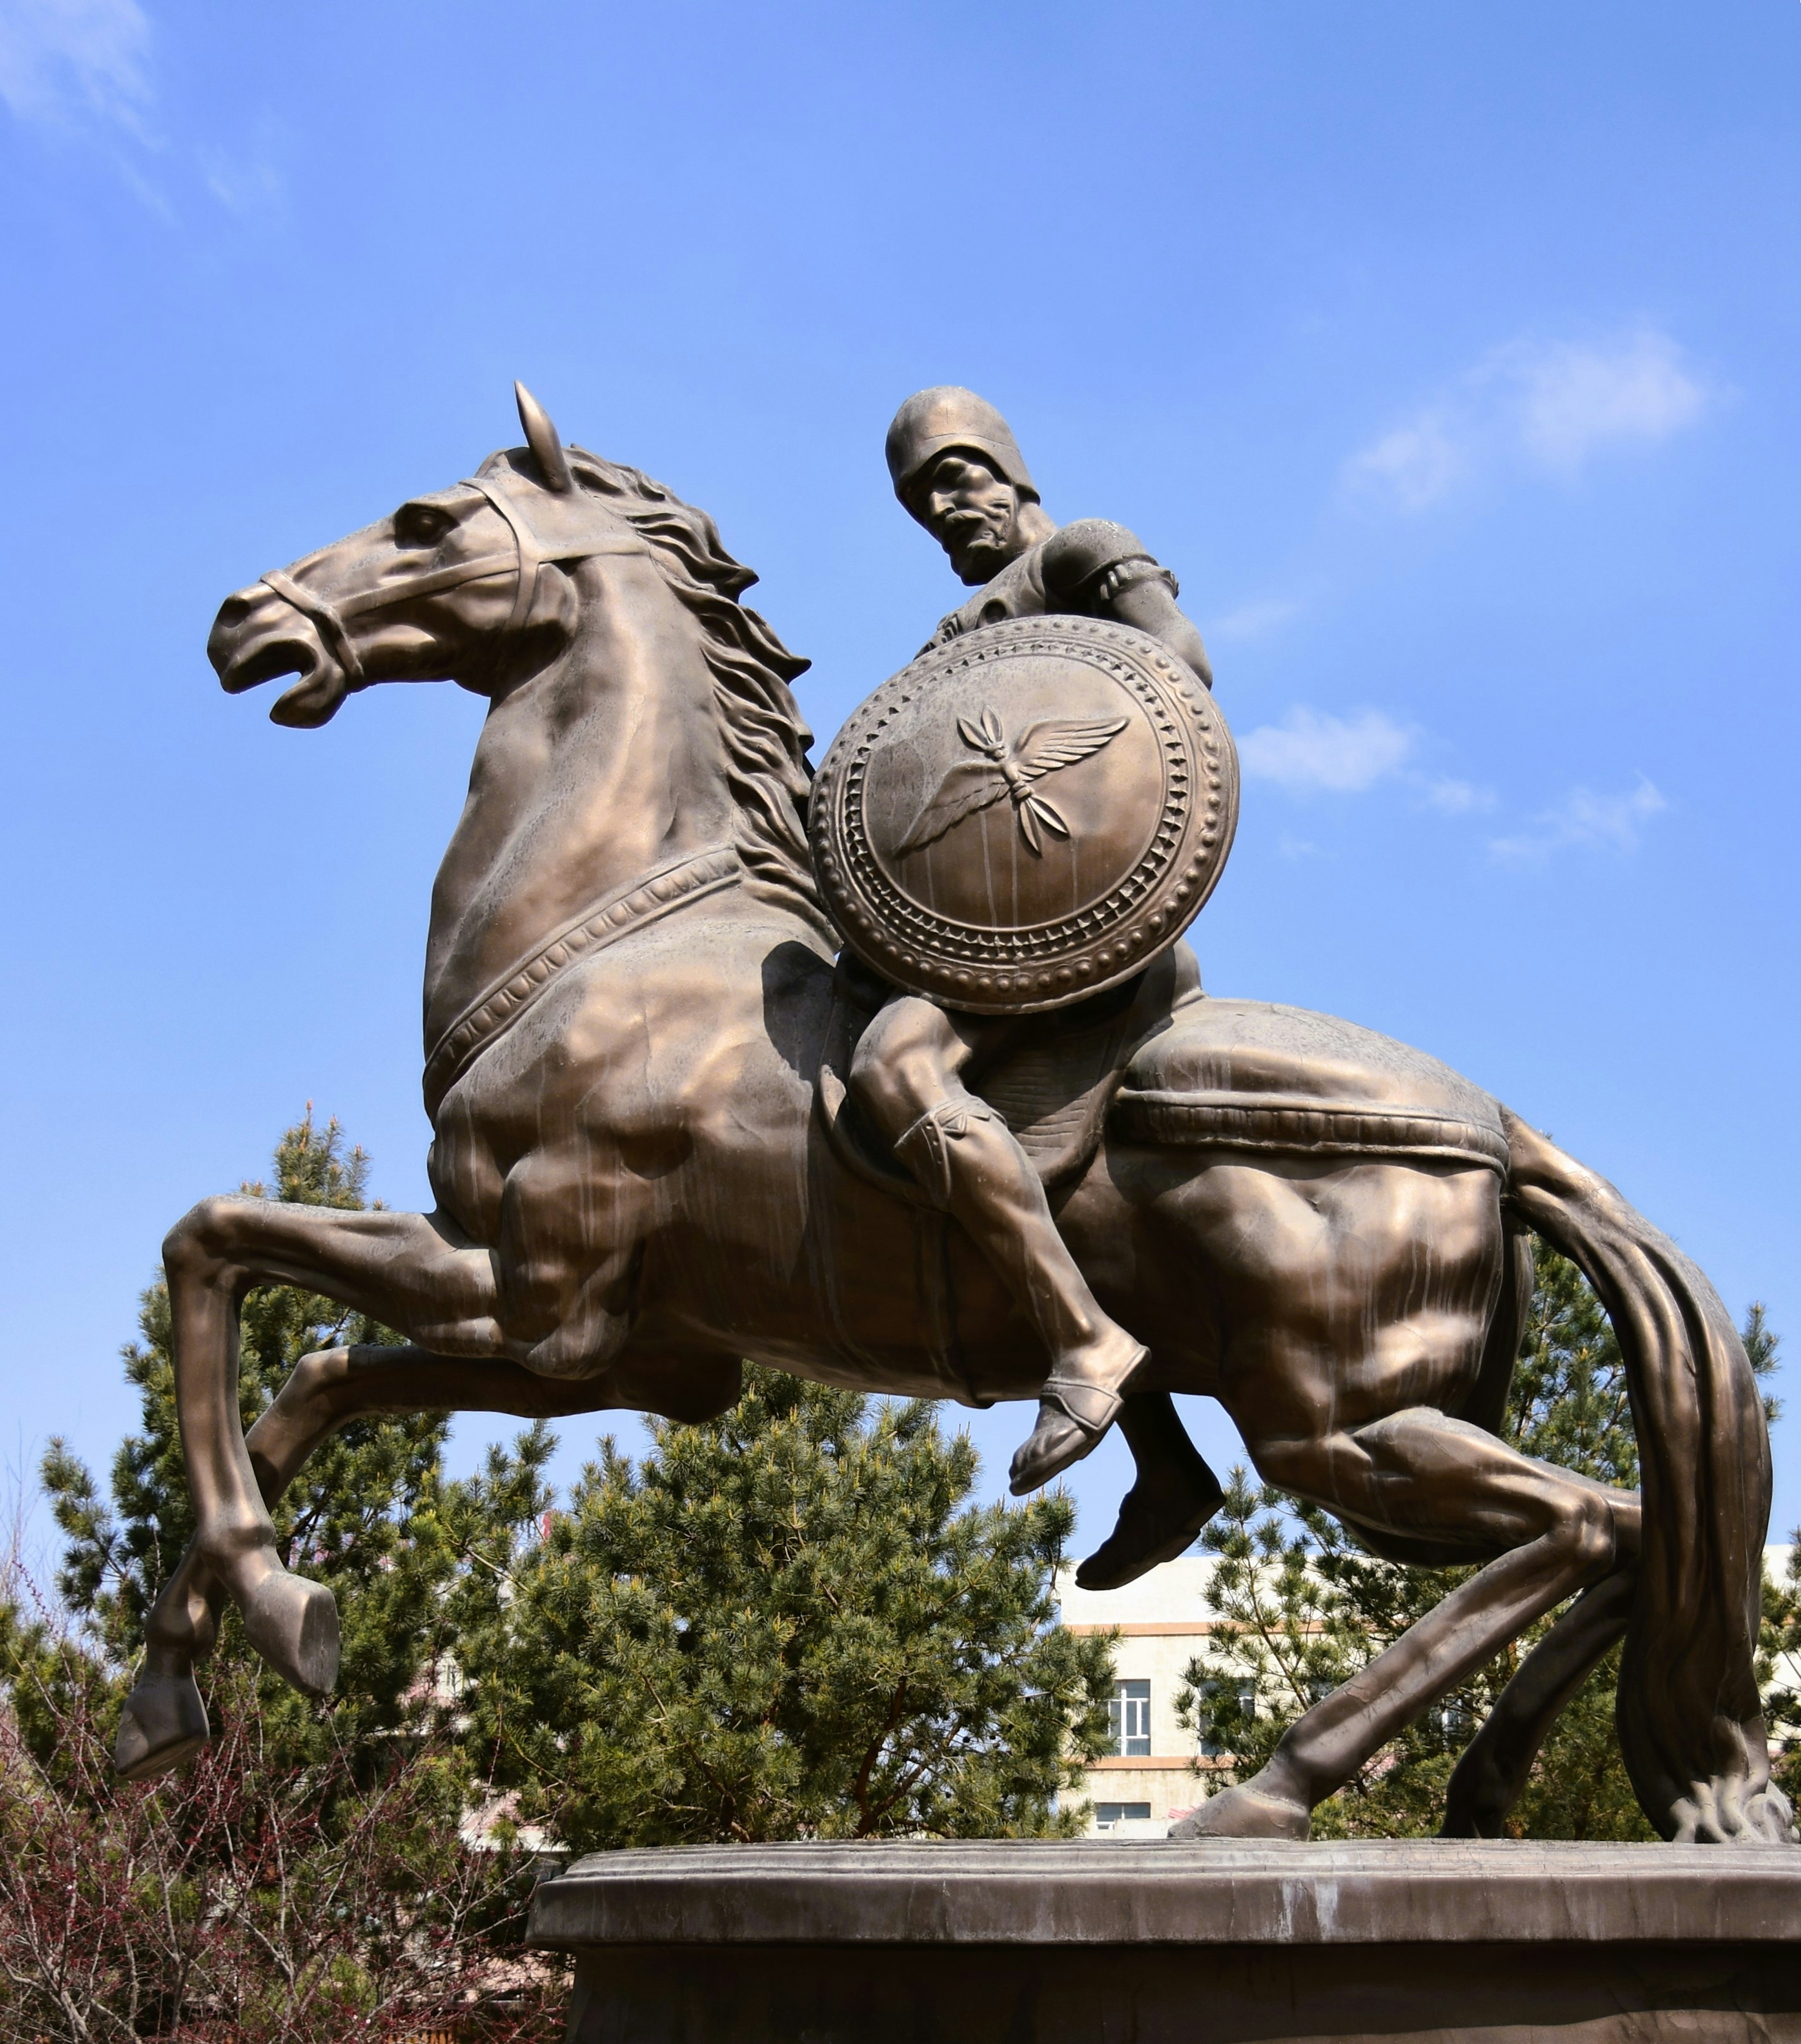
[1157, 1521]
[1245, 1812]
[293, 1624]
[1074, 1415]
[164, 1722]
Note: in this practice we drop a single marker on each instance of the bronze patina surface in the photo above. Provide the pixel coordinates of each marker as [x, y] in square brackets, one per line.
[631, 992]
[1030, 814]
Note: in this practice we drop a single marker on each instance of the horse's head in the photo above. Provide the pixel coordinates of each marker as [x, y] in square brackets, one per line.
[463, 585]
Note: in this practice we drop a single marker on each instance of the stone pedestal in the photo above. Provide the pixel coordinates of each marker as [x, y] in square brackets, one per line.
[1219, 1941]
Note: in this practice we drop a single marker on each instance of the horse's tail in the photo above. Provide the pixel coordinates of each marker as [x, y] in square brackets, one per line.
[1690, 1722]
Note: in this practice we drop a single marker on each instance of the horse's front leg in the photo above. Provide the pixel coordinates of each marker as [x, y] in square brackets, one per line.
[412, 1270]
[164, 1720]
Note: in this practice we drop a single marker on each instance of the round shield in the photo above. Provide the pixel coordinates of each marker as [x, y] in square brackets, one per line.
[1027, 815]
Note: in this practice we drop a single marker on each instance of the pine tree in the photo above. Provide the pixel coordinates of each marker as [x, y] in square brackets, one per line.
[786, 1622]
[1301, 1607]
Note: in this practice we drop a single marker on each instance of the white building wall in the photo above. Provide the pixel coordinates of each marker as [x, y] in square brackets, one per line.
[1163, 1622]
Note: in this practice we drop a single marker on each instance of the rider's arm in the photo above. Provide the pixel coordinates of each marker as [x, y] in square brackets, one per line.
[1097, 567]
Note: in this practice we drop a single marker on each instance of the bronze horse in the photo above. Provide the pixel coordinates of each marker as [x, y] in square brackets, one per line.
[629, 1011]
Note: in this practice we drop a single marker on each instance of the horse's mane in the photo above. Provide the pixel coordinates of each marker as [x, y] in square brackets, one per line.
[765, 736]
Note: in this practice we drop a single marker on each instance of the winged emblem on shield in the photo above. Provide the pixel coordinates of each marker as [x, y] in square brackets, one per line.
[1010, 767]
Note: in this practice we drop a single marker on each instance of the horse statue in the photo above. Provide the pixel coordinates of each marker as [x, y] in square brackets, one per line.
[643, 1174]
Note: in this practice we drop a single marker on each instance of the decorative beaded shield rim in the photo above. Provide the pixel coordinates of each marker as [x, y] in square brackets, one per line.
[1044, 965]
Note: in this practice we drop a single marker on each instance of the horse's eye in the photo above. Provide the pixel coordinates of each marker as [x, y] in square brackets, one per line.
[420, 525]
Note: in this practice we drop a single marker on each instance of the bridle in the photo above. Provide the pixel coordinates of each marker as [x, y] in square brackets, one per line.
[531, 554]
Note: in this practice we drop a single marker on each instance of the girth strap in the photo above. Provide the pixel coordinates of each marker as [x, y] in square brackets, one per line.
[644, 902]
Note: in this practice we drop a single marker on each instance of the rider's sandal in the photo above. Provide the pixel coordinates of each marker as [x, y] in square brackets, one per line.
[1074, 1415]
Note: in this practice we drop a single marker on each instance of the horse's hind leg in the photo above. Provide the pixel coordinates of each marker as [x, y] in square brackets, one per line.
[1491, 1775]
[411, 1270]
[164, 1720]
[1420, 1472]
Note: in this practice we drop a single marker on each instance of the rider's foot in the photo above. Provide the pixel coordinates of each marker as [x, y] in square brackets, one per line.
[164, 1722]
[1246, 1811]
[1079, 1400]
[1159, 1518]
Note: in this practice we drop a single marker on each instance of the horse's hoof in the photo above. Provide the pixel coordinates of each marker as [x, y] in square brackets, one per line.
[1478, 1799]
[164, 1722]
[293, 1624]
[1245, 1812]
[1154, 1527]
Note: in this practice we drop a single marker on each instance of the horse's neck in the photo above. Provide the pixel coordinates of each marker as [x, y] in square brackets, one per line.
[598, 769]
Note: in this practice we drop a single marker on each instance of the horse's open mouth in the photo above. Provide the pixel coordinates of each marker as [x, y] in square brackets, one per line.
[252, 643]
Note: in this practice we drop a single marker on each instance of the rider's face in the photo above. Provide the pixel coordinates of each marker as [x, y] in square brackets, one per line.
[970, 512]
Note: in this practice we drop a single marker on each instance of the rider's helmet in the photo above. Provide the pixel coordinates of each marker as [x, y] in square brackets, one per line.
[949, 417]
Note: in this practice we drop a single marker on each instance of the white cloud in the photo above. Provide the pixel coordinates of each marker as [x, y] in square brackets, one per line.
[1456, 798]
[1416, 463]
[1572, 401]
[1609, 823]
[63, 58]
[1552, 406]
[1307, 750]
[1252, 621]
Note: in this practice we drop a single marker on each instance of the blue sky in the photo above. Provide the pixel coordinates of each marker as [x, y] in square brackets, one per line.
[1447, 354]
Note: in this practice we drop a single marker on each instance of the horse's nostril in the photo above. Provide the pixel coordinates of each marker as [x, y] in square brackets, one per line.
[233, 612]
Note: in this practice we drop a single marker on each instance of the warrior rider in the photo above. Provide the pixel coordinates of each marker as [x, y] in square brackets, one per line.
[957, 469]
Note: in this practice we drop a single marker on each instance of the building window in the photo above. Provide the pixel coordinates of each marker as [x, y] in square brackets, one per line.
[1107, 1815]
[1211, 1696]
[1128, 1719]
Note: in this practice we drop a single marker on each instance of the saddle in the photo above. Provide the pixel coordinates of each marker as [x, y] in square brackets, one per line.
[1156, 1061]
[1254, 1075]
[1052, 1078]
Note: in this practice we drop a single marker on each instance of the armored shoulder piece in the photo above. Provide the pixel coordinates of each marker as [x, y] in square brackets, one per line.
[1093, 560]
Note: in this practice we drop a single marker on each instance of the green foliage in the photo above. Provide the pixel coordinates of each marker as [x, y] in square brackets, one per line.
[1304, 1606]
[786, 1623]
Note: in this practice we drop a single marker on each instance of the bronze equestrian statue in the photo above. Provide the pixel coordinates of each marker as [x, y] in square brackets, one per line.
[648, 1162]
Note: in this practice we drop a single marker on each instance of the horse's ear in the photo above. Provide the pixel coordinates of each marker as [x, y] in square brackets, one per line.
[541, 438]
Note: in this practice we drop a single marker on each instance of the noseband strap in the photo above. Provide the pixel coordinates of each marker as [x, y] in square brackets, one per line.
[528, 557]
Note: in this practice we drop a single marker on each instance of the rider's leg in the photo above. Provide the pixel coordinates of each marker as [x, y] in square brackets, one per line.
[907, 1077]
[1173, 1496]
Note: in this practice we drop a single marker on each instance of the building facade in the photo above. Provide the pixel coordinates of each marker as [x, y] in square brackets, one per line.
[1157, 1772]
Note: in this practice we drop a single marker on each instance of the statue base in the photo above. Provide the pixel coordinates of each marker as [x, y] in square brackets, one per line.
[1218, 1942]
